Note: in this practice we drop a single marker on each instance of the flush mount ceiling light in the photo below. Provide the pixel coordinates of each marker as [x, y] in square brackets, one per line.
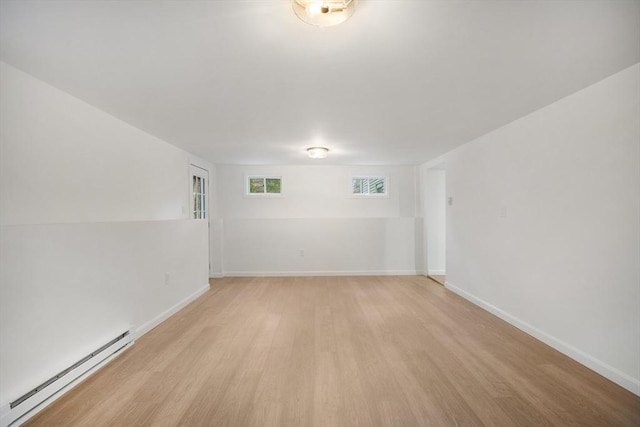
[318, 152]
[324, 13]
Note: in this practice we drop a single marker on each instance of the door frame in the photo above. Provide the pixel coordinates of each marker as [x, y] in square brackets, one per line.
[429, 219]
[197, 169]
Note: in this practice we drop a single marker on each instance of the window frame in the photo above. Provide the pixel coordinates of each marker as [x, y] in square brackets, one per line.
[264, 177]
[368, 194]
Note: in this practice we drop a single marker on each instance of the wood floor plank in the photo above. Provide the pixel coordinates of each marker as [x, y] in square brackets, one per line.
[340, 351]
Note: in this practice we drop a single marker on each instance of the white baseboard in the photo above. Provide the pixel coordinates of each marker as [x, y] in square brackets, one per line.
[27, 409]
[319, 273]
[607, 371]
[6, 417]
[146, 327]
[437, 272]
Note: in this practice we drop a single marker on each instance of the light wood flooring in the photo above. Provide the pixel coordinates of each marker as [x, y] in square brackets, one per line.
[340, 351]
[438, 278]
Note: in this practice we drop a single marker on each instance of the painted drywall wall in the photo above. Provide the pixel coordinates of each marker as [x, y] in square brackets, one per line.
[78, 164]
[67, 289]
[319, 246]
[435, 221]
[316, 192]
[215, 224]
[317, 226]
[94, 214]
[544, 228]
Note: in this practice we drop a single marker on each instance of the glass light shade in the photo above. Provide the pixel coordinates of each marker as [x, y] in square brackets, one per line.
[318, 152]
[324, 13]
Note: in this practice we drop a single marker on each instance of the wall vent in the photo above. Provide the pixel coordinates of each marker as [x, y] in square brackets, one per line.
[25, 406]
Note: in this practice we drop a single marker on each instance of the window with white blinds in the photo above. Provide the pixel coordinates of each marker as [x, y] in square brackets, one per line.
[369, 185]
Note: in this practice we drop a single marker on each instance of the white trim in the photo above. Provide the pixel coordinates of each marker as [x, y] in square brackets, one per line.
[437, 272]
[203, 171]
[9, 418]
[607, 371]
[370, 195]
[320, 273]
[247, 194]
[146, 327]
[36, 403]
[199, 171]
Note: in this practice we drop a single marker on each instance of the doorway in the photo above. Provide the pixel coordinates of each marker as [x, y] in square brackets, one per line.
[435, 223]
[199, 202]
[199, 192]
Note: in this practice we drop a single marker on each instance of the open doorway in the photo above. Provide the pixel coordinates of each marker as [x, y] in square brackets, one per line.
[435, 223]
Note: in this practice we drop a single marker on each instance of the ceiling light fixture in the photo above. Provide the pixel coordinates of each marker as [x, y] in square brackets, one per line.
[324, 13]
[318, 152]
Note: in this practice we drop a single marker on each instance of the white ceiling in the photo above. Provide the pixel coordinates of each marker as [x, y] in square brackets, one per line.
[245, 81]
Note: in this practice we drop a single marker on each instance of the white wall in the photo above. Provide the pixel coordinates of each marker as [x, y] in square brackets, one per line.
[317, 226]
[67, 289]
[544, 228]
[93, 215]
[316, 192]
[435, 221]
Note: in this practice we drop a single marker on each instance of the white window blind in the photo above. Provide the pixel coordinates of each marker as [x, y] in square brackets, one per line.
[369, 185]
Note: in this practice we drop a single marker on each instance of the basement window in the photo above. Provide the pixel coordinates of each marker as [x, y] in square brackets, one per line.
[369, 185]
[264, 186]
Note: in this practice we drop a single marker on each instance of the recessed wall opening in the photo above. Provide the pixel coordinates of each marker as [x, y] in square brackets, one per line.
[435, 224]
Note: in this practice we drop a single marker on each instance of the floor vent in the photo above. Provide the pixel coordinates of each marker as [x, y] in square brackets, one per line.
[45, 392]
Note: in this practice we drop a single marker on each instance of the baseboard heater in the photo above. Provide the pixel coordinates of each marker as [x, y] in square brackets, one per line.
[25, 406]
